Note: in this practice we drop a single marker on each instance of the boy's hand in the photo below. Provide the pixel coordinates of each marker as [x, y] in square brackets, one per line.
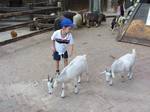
[53, 49]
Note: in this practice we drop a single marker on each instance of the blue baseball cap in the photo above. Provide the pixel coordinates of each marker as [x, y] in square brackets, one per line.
[65, 22]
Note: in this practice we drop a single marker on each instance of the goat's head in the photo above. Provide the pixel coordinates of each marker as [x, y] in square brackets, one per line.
[108, 74]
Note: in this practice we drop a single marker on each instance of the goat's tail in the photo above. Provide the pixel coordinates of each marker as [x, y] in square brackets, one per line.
[133, 51]
[84, 56]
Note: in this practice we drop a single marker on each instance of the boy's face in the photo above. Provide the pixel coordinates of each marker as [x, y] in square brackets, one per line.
[67, 29]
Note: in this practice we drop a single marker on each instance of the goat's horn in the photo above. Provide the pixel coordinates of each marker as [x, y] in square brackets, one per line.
[48, 78]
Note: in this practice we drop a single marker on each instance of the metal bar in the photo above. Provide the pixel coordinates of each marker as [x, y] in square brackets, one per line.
[148, 18]
[123, 31]
[137, 41]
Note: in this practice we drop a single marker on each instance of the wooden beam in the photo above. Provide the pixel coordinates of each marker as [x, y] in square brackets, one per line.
[2, 29]
[27, 12]
[25, 36]
[13, 9]
[39, 3]
[44, 16]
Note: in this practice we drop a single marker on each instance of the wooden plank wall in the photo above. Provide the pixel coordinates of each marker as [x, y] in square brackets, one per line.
[76, 4]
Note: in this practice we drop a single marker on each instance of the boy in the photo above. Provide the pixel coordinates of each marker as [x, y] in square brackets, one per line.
[61, 39]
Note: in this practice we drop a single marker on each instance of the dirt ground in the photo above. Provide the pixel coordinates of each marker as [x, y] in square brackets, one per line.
[24, 66]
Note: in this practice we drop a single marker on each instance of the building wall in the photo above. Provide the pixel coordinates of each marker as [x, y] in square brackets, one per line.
[92, 5]
[76, 4]
[17, 3]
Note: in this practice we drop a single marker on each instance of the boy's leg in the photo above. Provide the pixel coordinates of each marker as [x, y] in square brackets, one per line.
[57, 66]
[56, 57]
[65, 61]
[65, 56]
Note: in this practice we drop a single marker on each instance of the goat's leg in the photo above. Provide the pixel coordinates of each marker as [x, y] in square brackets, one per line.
[87, 72]
[87, 75]
[130, 74]
[76, 90]
[96, 24]
[110, 82]
[88, 23]
[63, 91]
[99, 22]
[79, 79]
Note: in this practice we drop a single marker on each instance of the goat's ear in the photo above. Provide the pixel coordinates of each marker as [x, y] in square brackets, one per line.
[51, 79]
[106, 70]
[84, 55]
[48, 78]
[103, 72]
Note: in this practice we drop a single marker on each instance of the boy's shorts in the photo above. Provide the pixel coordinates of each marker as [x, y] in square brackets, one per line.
[57, 57]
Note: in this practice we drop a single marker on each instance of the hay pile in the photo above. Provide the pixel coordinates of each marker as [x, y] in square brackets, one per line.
[137, 29]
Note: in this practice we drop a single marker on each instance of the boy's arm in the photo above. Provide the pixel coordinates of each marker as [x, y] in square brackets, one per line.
[53, 46]
[71, 49]
[53, 42]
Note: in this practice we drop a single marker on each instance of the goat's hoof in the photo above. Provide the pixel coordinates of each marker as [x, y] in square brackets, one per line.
[130, 77]
[62, 96]
[76, 91]
[110, 84]
[79, 82]
[50, 93]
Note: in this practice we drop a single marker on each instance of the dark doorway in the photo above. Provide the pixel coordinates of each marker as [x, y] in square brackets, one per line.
[76, 4]
[145, 1]
[15, 3]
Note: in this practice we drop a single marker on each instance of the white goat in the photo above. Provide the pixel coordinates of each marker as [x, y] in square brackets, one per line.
[72, 71]
[122, 65]
[77, 20]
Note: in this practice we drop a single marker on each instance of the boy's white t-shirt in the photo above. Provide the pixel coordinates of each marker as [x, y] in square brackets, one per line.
[61, 48]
